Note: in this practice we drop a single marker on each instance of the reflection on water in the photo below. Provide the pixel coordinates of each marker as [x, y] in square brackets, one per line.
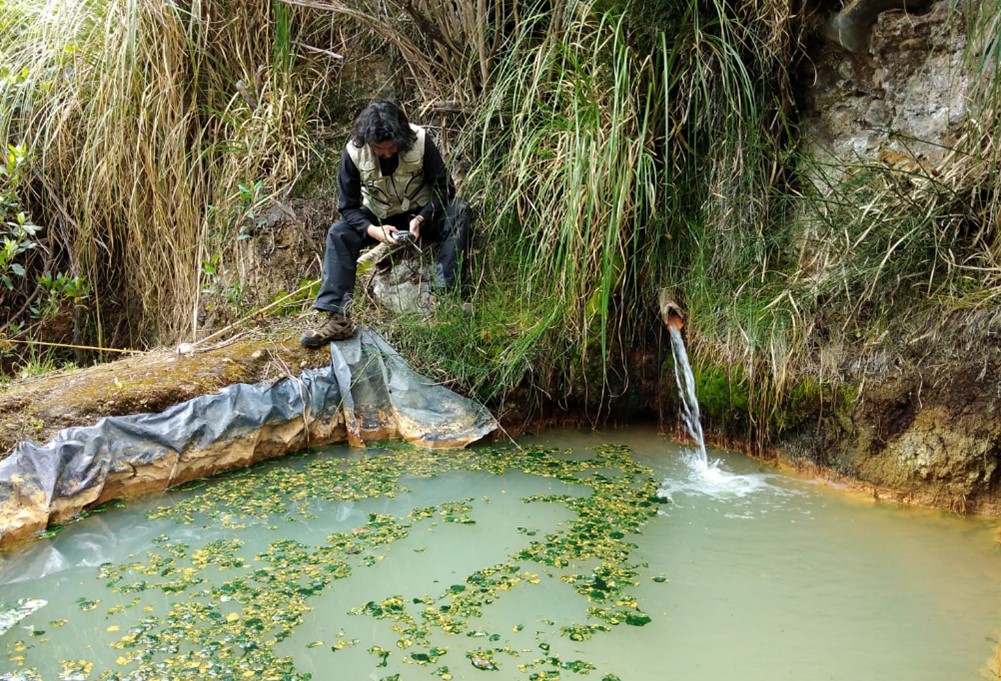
[441, 568]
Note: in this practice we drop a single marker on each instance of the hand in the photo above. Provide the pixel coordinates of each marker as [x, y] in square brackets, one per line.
[415, 225]
[383, 233]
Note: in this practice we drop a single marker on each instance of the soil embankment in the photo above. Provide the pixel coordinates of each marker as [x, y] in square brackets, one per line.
[917, 417]
[36, 409]
[917, 434]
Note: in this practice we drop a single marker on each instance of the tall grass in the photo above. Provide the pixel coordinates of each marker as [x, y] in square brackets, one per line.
[605, 171]
[555, 105]
[568, 166]
[143, 118]
[725, 104]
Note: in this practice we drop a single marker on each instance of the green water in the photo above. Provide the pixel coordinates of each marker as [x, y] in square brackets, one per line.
[536, 564]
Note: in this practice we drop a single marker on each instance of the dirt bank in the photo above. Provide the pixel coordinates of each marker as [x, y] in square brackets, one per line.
[919, 419]
[922, 428]
[37, 408]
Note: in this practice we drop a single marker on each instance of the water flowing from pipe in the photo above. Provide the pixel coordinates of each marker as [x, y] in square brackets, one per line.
[705, 477]
[686, 389]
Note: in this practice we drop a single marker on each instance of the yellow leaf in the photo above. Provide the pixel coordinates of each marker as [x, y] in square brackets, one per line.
[232, 617]
[114, 627]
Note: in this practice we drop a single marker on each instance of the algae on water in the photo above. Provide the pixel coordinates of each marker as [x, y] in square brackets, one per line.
[218, 608]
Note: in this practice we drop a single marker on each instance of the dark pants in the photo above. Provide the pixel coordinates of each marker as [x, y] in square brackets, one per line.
[451, 229]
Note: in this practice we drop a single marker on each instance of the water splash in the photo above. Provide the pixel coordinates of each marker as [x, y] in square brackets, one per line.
[704, 477]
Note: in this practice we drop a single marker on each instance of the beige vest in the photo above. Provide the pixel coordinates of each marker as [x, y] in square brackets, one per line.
[403, 191]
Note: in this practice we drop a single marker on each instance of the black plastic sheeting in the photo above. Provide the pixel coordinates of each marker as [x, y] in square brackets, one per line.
[369, 388]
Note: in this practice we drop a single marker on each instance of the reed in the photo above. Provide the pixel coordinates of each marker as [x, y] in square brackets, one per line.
[142, 119]
[565, 171]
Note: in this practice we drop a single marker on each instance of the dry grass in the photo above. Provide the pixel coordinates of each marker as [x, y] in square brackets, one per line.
[449, 49]
[143, 118]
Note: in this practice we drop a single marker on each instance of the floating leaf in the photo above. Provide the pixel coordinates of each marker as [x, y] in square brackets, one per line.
[637, 620]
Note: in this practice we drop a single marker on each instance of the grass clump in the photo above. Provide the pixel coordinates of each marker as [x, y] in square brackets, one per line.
[154, 131]
[564, 169]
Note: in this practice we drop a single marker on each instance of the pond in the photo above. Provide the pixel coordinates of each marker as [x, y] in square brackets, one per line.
[576, 555]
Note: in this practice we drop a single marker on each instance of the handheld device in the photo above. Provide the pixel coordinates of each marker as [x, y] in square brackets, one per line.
[402, 238]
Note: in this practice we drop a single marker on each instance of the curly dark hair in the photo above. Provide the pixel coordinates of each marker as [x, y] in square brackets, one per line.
[382, 121]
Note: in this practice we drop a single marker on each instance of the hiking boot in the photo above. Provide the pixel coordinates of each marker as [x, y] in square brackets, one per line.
[334, 327]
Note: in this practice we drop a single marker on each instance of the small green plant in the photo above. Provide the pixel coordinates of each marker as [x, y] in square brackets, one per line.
[57, 290]
[250, 195]
[298, 300]
[17, 232]
[29, 296]
[251, 199]
[210, 268]
[39, 361]
[219, 282]
[13, 245]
